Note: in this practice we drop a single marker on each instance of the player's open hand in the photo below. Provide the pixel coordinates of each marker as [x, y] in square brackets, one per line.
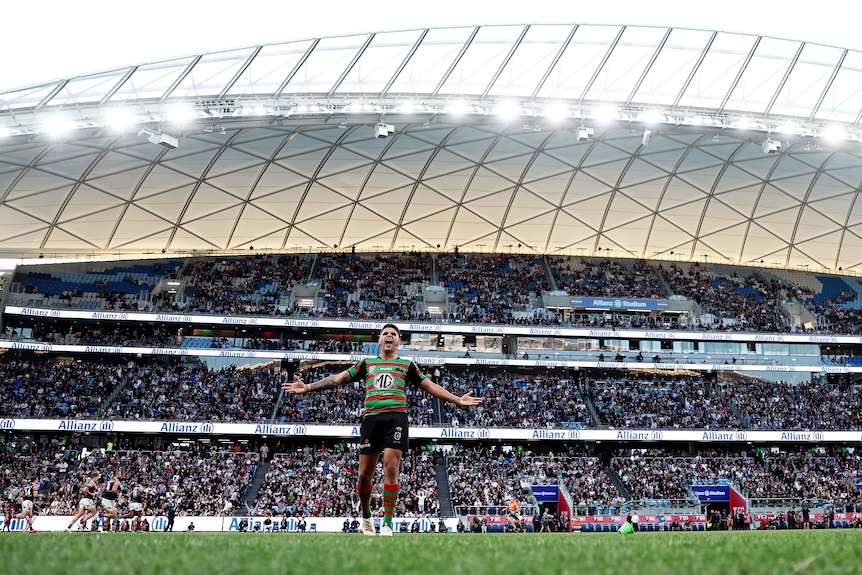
[295, 386]
[468, 399]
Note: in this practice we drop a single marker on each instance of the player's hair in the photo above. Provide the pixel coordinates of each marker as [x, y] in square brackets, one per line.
[393, 326]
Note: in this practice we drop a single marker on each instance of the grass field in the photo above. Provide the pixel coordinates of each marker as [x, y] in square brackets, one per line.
[725, 553]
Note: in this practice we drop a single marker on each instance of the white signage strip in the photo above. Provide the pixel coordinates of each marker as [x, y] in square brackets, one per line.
[419, 359]
[46, 523]
[275, 321]
[207, 428]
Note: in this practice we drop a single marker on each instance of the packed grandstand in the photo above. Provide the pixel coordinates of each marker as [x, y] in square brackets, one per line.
[720, 391]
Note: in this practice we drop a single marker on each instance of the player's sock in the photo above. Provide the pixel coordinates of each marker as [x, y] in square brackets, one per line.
[364, 500]
[390, 497]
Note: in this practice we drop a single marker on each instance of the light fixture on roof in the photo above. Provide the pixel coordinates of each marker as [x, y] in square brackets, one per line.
[556, 111]
[381, 130]
[605, 113]
[650, 116]
[57, 126]
[457, 107]
[585, 133]
[771, 146]
[833, 133]
[160, 138]
[646, 137]
[211, 127]
[507, 109]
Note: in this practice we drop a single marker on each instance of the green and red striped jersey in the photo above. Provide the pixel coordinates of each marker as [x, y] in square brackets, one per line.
[386, 382]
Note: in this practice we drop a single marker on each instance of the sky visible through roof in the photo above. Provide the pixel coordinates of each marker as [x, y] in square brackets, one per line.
[47, 40]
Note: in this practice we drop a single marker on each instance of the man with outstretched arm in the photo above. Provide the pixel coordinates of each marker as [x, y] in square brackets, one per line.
[384, 422]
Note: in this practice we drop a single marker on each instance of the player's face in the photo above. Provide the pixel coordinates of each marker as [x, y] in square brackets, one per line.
[389, 339]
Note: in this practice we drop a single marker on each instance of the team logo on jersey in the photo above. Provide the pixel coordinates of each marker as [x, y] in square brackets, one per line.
[384, 381]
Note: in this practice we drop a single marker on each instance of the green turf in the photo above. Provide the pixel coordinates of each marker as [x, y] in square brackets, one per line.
[734, 553]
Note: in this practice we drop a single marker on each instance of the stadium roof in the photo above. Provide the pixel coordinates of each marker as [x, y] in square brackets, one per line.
[625, 141]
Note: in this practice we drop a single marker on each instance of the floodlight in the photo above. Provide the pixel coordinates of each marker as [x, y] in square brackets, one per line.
[164, 140]
[382, 130]
[160, 138]
[771, 146]
[585, 133]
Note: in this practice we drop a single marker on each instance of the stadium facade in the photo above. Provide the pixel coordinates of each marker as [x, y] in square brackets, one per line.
[687, 147]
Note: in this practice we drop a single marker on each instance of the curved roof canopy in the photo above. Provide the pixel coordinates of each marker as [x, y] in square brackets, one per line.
[561, 139]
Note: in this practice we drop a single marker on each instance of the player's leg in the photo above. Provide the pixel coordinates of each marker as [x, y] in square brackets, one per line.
[93, 511]
[24, 514]
[88, 509]
[370, 447]
[111, 512]
[395, 443]
[364, 482]
[391, 468]
[90, 513]
[35, 510]
[76, 515]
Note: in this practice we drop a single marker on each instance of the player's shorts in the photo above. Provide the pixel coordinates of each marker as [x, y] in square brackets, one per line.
[27, 505]
[136, 506]
[383, 430]
[109, 504]
[86, 504]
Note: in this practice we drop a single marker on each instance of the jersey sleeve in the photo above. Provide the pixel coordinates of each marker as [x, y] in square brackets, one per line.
[414, 374]
[358, 371]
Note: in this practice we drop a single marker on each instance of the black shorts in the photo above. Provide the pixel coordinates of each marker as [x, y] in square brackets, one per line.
[383, 430]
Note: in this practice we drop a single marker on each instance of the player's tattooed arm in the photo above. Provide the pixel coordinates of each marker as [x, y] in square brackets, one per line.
[327, 382]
